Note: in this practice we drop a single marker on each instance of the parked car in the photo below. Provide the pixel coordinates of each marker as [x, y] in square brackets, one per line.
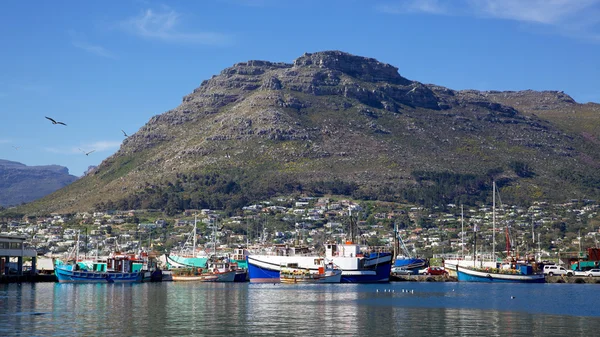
[553, 269]
[592, 273]
[401, 271]
[433, 271]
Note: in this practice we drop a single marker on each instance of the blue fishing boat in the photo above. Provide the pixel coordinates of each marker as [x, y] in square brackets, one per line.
[406, 260]
[521, 274]
[115, 269]
[97, 272]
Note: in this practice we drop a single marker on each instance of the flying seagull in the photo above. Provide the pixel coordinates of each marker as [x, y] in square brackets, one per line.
[124, 133]
[86, 153]
[55, 122]
[16, 147]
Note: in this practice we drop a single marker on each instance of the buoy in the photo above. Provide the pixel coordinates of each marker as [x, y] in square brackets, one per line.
[512, 297]
[412, 291]
[377, 290]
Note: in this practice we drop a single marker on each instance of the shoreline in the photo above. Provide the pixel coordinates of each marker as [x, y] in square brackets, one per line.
[440, 278]
[6, 279]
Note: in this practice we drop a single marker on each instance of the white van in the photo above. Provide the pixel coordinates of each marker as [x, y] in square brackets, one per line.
[553, 269]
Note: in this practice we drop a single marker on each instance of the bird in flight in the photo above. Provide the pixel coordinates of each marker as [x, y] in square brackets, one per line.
[16, 147]
[55, 122]
[125, 134]
[86, 153]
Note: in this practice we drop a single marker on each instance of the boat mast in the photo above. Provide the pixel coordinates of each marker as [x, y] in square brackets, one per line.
[507, 243]
[214, 237]
[77, 248]
[396, 240]
[494, 220]
[539, 248]
[462, 230]
[194, 244]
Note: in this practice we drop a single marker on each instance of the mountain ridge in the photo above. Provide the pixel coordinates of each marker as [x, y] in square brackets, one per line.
[20, 183]
[331, 121]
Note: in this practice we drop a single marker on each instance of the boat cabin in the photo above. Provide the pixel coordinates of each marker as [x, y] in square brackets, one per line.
[347, 249]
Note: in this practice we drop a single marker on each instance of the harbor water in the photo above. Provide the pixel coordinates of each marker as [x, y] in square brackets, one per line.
[246, 309]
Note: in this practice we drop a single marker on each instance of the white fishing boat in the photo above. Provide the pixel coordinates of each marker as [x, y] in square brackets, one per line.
[493, 271]
[327, 273]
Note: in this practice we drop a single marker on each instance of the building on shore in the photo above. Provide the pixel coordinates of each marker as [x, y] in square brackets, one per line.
[12, 252]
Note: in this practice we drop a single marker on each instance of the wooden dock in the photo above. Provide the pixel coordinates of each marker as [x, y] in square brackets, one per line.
[28, 278]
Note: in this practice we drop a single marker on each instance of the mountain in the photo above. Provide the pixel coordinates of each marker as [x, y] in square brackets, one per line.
[332, 122]
[20, 183]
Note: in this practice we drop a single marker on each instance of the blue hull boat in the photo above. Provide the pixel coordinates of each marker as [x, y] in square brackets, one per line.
[356, 266]
[473, 275]
[66, 274]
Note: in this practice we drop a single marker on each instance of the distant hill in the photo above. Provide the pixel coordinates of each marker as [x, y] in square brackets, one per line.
[332, 122]
[20, 183]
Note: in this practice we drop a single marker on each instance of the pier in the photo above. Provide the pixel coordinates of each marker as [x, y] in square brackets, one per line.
[12, 252]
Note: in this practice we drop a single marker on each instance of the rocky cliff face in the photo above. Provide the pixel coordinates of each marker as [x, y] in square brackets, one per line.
[20, 183]
[328, 119]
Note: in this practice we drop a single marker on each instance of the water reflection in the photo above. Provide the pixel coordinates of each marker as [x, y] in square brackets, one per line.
[220, 309]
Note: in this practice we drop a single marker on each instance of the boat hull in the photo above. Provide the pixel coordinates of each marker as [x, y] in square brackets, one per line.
[176, 261]
[265, 268]
[207, 277]
[410, 263]
[470, 275]
[241, 276]
[65, 275]
[333, 277]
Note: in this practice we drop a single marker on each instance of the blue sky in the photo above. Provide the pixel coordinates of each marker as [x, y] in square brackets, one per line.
[106, 66]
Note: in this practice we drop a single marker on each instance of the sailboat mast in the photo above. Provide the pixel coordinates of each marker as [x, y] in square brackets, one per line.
[494, 220]
[194, 245]
[215, 236]
[395, 239]
[77, 248]
[462, 230]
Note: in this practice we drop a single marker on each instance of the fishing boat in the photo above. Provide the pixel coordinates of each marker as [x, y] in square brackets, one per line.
[358, 265]
[510, 271]
[404, 259]
[187, 256]
[191, 274]
[109, 271]
[327, 273]
[238, 259]
[520, 274]
[215, 272]
[218, 269]
[114, 269]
